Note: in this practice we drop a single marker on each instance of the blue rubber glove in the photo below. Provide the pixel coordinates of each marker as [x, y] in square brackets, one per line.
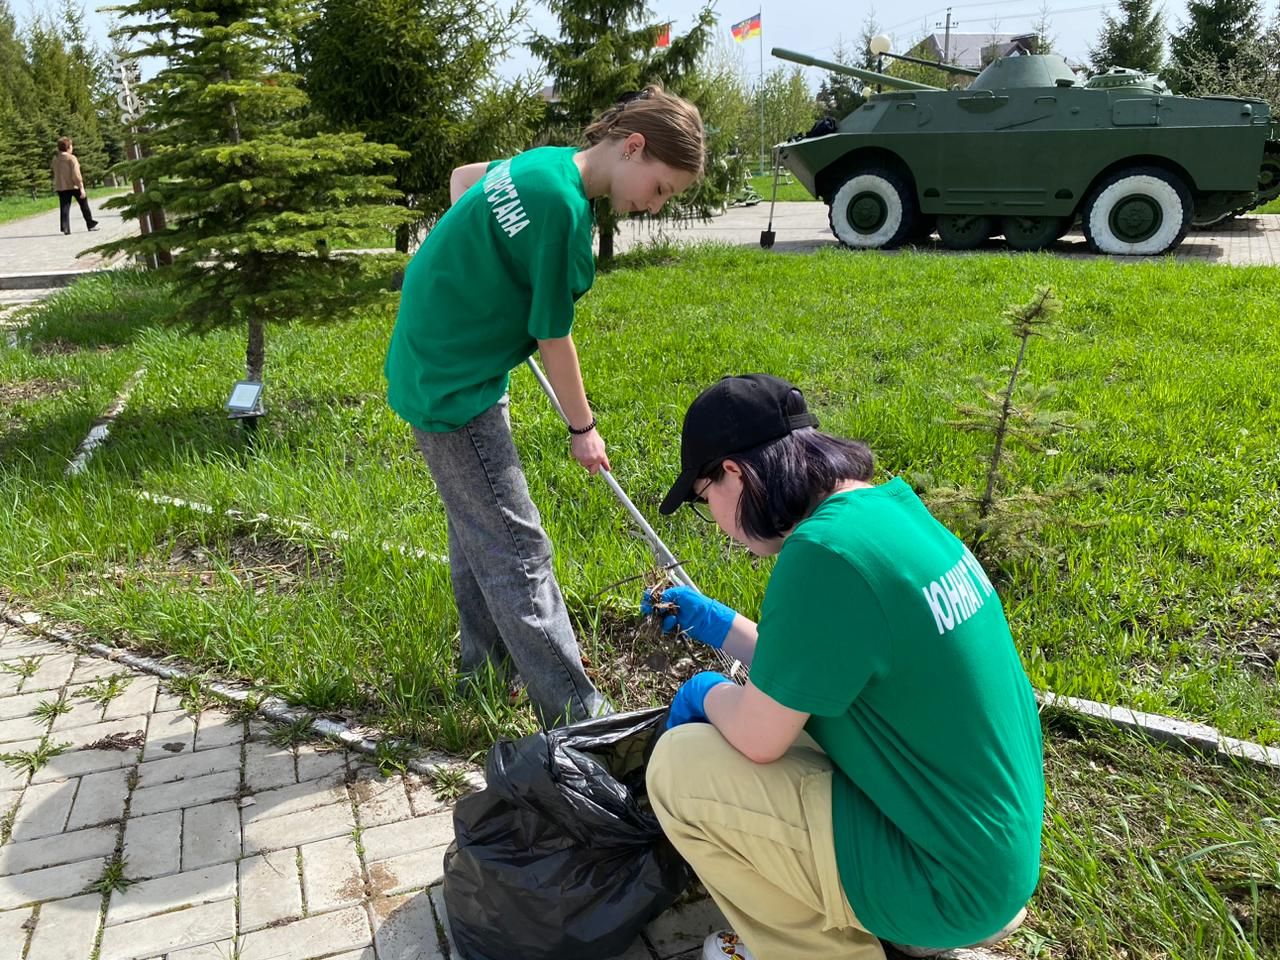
[706, 620]
[688, 706]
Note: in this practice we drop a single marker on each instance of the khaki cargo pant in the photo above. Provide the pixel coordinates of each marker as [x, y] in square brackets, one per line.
[760, 838]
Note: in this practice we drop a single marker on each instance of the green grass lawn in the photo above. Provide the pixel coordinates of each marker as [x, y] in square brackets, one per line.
[1161, 596]
[1159, 592]
[787, 191]
[19, 207]
[1272, 207]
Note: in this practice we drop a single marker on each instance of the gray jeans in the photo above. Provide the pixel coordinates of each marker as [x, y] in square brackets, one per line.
[500, 564]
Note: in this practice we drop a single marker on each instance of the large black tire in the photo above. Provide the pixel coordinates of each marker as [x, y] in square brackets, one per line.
[965, 231]
[874, 209]
[1138, 212]
[1269, 176]
[1033, 233]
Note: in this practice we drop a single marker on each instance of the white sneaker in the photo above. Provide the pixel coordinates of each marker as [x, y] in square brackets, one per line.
[725, 944]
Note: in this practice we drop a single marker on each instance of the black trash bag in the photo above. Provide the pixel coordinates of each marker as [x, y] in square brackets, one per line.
[560, 856]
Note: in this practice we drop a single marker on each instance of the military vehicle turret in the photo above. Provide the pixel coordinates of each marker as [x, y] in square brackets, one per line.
[1026, 150]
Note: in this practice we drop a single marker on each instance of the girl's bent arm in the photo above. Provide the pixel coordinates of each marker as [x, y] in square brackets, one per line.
[463, 178]
[758, 726]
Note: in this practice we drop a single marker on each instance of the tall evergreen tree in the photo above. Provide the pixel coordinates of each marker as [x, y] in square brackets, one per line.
[606, 48]
[253, 203]
[420, 74]
[1134, 39]
[15, 87]
[1222, 34]
[839, 94]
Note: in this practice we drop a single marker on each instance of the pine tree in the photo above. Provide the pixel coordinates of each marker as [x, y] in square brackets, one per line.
[253, 202]
[26, 133]
[13, 76]
[1219, 34]
[605, 50]
[839, 94]
[1134, 39]
[420, 75]
[919, 73]
[1045, 42]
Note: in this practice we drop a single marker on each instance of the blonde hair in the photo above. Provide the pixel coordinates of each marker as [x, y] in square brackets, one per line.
[671, 127]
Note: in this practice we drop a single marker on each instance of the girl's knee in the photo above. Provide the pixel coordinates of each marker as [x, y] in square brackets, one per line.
[677, 759]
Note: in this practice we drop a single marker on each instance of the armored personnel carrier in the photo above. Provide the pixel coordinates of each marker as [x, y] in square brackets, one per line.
[1027, 150]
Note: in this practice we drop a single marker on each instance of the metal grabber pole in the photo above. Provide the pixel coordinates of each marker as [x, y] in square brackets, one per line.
[665, 557]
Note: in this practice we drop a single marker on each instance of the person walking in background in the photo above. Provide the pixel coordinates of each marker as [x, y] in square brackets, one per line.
[69, 184]
[496, 280]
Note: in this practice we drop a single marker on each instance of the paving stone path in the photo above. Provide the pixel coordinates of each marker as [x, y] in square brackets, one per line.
[36, 244]
[232, 846]
[227, 845]
[1252, 240]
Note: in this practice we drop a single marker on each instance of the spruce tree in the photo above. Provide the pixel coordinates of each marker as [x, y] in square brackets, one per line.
[839, 94]
[420, 74]
[606, 48]
[1218, 34]
[1134, 39]
[253, 201]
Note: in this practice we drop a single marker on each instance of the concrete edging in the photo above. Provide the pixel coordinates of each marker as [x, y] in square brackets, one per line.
[1197, 737]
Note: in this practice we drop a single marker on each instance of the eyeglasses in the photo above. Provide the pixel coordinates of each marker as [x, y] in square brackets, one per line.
[700, 498]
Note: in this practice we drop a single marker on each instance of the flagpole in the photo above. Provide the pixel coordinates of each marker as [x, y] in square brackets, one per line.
[760, 15]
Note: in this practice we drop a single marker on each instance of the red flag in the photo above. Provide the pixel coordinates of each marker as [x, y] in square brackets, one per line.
[664, 36]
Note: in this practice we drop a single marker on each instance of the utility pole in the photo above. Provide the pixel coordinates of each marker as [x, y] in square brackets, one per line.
[946, 37]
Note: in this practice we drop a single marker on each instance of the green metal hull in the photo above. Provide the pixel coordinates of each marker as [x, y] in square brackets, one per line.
[1038, 151]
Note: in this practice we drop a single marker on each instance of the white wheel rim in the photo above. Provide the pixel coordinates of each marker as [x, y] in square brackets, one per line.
[877, 187]
[1155, 189]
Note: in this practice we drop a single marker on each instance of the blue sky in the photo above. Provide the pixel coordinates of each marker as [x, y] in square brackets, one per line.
[807, 26]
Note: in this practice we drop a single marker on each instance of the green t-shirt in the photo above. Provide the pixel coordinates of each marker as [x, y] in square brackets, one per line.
[881, 624]
[500, 271]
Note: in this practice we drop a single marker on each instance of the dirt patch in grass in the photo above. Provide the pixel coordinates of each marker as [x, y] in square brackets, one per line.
[1257, 644]
[257, 558]
[27, 391]
[637, 665]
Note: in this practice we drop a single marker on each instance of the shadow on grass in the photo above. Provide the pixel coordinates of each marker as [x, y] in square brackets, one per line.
[107, 309]
[144, 439]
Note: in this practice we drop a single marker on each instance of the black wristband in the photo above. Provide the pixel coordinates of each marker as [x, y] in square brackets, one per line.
[587, 429]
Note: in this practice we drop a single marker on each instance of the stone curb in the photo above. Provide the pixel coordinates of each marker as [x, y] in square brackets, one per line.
[102, 426]
[269, 708]
[1199, 737]
[42, 281]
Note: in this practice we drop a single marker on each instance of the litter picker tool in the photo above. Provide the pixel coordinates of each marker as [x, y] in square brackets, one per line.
[665, 557]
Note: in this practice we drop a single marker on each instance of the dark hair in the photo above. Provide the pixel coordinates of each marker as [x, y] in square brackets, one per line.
[784, 479]
[64, 144]
[671, 125]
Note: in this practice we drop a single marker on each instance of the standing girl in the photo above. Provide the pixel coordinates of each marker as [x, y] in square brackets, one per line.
[495, 280]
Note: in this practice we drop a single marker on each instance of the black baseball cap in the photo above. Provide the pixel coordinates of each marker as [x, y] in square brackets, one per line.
[732, 416]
